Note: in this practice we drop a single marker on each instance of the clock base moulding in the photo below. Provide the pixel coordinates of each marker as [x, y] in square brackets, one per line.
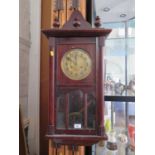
[78, 140]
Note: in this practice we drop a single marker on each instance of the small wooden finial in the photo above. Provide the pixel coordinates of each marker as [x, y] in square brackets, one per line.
[56, 23]
[76, 23]
[97, 22]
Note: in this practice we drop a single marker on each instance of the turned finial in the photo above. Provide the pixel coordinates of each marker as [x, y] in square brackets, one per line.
[56, 23]
[76, 23]
[97, 22]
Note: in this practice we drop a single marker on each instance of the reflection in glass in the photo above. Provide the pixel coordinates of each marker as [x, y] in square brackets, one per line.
[108, 117]
[118, 29]
[131, 125]
[118, 114]
[76, 109]
[115, 111]
[120, 60]
[121, 116]
[114, 67]
[130, 67]
[91, 104]
[60, 107]
[131, 28]
[131, 112]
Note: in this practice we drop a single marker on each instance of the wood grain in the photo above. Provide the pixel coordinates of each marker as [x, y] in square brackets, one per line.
[44, 76]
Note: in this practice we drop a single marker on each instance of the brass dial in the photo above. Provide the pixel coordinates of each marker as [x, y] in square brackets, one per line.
[76, 64]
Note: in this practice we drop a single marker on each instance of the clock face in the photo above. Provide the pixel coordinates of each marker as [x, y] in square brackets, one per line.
[76, 64]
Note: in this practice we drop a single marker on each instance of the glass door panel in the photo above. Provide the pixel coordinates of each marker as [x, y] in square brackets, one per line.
[60, 114]
[76, 109]
[91, 112]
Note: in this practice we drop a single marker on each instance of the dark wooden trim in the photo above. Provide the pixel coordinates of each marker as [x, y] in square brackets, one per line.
[51, 115]
[85, 140]
[89, 11]
[76, 32]
[67, 111]
[44, 77]
[120, 98]
[85, 110]
[76, 132]
[100, 86]
[77, 40]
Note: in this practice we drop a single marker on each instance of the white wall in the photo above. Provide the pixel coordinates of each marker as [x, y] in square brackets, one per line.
[24, 50]
[34, 76]
[29, 67]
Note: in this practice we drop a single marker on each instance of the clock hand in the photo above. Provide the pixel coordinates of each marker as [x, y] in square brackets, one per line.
[73, 63]
[69, 59]
[76, 61]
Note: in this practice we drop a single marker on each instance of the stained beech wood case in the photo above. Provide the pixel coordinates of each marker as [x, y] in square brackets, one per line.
[76, 103]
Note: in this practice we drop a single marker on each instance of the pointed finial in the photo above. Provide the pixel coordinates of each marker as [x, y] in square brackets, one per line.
[97, 22]
[56, 23]
[76, 23]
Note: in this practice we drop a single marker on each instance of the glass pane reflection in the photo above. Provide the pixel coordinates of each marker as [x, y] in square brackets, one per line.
[118, 29]
[131, 67]
[120, 67]
[131, 126]
[76, 109]
[60, 107]
[131, 28]
[91, 104]
[115, 67]
[119, 115]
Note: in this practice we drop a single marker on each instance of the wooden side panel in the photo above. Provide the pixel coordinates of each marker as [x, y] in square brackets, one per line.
[44, 76]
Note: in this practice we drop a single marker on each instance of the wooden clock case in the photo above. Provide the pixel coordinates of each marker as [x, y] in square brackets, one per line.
[76, 33]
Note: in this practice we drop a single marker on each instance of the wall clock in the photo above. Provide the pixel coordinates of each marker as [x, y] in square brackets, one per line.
[76, 74]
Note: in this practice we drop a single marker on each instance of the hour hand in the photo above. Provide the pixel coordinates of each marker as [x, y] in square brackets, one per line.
[71, 60]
